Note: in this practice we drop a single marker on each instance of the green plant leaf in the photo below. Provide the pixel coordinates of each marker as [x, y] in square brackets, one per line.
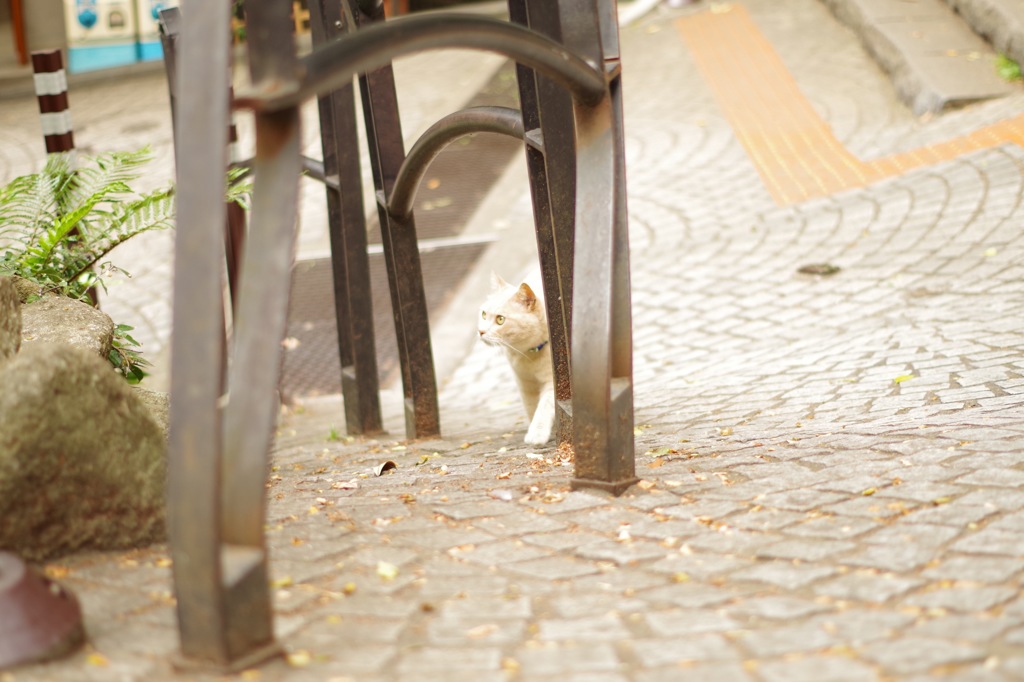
[1007, 68]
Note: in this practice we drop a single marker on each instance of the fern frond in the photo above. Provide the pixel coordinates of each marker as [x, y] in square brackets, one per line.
[113, 169]
[151, 212]
[27, 206]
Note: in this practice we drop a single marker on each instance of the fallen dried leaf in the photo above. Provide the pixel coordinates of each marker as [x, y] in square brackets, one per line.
[97, 659]
[283, 581]
[57, 572]
[386, 570]
[481, 631]
[299, 659]
[504, 475]
[823, 269]
[384, 466]
[869, 492]
[351, 484]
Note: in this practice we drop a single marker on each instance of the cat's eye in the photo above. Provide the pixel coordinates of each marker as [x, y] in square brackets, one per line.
[499, 319]
[483, 314]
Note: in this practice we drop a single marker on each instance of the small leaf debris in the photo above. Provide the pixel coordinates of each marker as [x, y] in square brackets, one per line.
[387, 570]
[384, 466]
[820, 269]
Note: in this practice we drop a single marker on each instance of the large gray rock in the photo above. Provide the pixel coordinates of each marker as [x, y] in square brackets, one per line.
[10, 319]
[57, 319]
[82, 463]
[159, 405]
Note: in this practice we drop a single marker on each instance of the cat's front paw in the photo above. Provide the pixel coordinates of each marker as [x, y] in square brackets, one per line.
[537, 436]
[540, 431]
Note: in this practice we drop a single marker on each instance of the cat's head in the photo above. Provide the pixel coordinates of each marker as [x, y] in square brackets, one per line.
[512, 316]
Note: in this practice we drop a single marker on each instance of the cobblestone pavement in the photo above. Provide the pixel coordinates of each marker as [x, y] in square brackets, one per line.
[832, 480]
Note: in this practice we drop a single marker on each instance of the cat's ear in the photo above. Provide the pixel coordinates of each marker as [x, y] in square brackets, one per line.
[497, 282]
[526, 297]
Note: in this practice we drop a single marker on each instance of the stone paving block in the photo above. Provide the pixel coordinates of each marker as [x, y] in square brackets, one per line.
[786, 640]
[569, 502]
[517, 524]
[551, 568]
[450, 660]
[906, 533]
[894, 558]
[867, 586]
[909, 655]
[811, 549]
[1001, 499]
[817, 669]
[692, 595]
[656, 653]
[922, 491]
[962, 597]
[778, 607]
[975, 627]
[869, 507]
[563, 540]
[840, 527]
[730, 541]
[440, 539]
[698, 567]
[475, 510]
[622, 553]
[497, 553]
[688, 622]
[443, 587]
[566, 658]
[1004, 478]
[766, 519]
[450, 632]
[607, 627]
[986, 569]
[583, 601]
[799, 500]
[991, 541]
[702, 672]
[785, 574]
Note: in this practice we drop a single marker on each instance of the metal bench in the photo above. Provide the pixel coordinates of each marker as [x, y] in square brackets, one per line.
[571, 123]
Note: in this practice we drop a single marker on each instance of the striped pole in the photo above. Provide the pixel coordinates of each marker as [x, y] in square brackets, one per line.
[52, 92]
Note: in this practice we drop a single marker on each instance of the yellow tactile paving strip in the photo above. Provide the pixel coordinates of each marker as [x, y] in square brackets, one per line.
[794, 150]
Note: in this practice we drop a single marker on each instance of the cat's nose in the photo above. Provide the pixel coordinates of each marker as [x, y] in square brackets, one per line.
[481, 332]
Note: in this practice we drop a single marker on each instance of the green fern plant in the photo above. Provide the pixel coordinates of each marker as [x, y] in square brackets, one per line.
[57, 226]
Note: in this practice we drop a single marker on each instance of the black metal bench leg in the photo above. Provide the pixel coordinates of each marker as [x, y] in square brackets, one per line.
[401, 252]
[551, 164]
[346, 218]
[602, 358]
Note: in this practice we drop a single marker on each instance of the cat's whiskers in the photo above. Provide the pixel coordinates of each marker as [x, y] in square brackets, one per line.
[506, 344]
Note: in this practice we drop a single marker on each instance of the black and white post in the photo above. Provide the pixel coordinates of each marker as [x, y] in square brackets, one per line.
[51, 86]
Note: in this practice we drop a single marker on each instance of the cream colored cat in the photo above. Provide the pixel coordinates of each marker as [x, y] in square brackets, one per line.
[514, 318]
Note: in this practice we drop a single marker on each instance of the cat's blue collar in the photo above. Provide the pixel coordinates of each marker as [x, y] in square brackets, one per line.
[537, 349]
